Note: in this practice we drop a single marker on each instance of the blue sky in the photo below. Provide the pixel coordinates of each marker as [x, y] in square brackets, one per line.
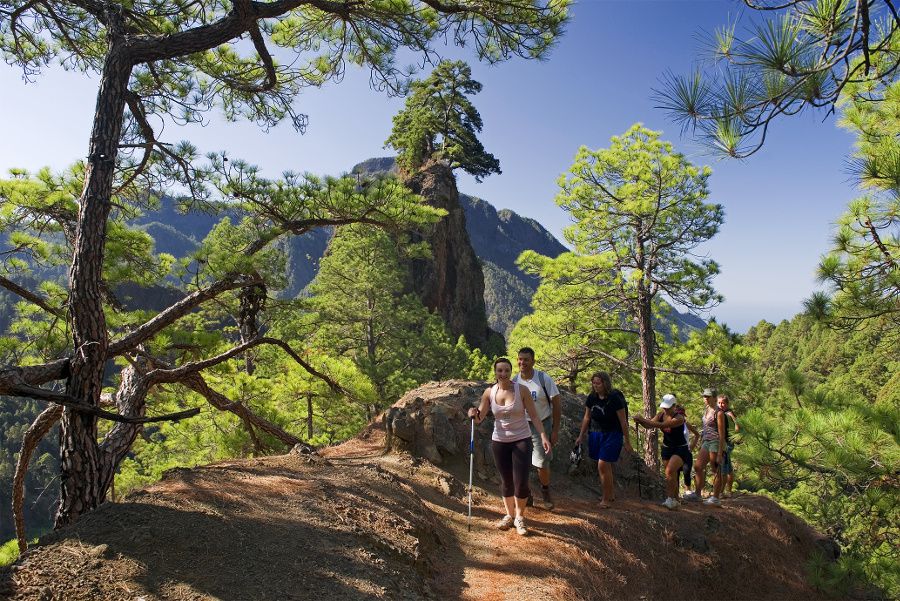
[780, 204]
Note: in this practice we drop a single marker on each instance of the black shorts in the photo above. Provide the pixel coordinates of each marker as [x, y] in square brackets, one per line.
[683, 451]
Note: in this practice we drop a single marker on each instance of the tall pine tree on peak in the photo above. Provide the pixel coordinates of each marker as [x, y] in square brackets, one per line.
[439, 122]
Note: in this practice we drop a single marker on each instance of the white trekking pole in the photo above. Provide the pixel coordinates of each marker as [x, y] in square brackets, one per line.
[471, 464]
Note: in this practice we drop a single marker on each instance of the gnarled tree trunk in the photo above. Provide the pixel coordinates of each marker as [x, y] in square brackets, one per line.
[81, 488]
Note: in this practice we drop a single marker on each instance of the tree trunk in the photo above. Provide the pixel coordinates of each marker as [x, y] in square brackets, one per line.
[253, 300]
[80, 477]
[647, 340]
[309, 416]
[39, 428]
[131, 401]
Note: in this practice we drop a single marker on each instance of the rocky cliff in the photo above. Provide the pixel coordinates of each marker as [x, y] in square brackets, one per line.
[450, 281]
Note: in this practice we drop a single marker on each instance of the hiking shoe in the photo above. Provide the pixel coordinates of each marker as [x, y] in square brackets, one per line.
[670, 503]
[505, 522]
[519, 523]
[712, 501]
[690, 496]
[547, 501]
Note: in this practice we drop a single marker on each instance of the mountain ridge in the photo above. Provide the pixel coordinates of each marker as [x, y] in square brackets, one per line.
[301, 526]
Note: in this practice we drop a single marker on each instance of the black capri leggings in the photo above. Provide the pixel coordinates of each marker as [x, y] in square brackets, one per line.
[687, 468]
[513, 460]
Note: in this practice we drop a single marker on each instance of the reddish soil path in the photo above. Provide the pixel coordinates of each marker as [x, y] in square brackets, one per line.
[580, 551]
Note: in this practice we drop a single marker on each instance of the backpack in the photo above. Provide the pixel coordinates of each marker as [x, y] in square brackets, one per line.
[542, 382]
[727, 436]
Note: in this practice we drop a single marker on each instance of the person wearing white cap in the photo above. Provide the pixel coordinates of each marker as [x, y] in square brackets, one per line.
[675, 451]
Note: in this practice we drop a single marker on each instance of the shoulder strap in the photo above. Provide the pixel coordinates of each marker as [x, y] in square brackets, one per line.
[543, 386]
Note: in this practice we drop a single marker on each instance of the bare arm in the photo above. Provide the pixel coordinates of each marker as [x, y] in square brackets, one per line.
[532, 411]
[737, 426]
[720, 422]
[585, 422]
[556, 403]
[525, 395]
[647, 423]
[695, 435]
[655, 423]
[481, 411]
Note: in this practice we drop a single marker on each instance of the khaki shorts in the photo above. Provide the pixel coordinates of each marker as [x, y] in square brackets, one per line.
[710, 445]
[539, 459]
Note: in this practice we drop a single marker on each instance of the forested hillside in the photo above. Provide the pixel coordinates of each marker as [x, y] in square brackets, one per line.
[164, 307]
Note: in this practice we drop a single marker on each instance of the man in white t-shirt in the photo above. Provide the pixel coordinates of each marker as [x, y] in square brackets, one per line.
[549, 407]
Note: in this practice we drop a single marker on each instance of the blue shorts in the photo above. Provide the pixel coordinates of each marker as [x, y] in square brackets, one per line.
[605, 446]
[727, 467]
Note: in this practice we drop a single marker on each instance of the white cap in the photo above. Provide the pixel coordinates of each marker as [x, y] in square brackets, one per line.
[667, 401]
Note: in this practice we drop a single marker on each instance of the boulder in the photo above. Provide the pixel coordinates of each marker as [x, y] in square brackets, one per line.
[431, 422]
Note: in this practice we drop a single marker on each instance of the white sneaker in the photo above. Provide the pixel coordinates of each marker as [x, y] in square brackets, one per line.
[505, 522]
[670, 503]
[690, 496]
[519, 523]
[712, 501]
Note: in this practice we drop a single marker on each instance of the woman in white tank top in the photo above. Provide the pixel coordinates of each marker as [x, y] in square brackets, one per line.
[511, 440]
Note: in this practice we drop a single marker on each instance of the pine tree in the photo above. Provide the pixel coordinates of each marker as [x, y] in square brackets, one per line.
[800, 55]
[640, 210]
[440, 123]
[175, 64]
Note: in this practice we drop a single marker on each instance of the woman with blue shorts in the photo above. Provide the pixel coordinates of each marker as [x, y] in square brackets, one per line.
[604, 414]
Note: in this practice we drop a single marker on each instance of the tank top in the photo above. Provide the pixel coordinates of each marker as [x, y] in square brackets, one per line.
[710, 426]
[510, 424]
[675, 437]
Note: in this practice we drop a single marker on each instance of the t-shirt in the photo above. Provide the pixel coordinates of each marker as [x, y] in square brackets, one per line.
[604, 416]
[541, 402]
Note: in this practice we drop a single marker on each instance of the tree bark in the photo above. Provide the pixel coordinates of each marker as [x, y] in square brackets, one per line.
[647, 342]
[80, 469]
[253, 300]
[131, 401]
[39, 428]
[309, 416]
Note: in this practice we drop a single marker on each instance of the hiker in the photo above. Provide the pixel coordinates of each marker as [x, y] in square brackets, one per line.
[675, 451]
[713, 430]
[604, 413]
[688, 468]
[511, 440]
[728, 467]
[546, 399]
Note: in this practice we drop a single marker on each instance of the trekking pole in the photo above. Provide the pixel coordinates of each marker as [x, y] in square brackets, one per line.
[471, 464]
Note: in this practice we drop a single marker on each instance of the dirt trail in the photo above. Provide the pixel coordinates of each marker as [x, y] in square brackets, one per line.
[747, 549]
[356, 524]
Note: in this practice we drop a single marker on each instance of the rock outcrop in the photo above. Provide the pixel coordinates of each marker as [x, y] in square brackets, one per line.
[430, 422]
[451, 282]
